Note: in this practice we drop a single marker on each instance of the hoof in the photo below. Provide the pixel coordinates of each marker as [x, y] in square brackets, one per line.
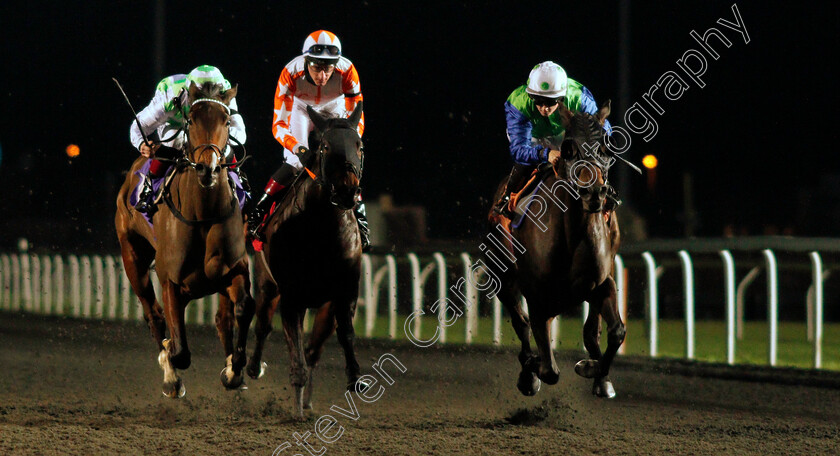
[587, 368]
[603, 388]
[230, 380]
[550, 377]
[358, 386]
[252, 370]
[528, 383]
[174, 390]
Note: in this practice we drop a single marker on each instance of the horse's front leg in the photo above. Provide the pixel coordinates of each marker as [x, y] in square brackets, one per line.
[175, 353]
[267, 297]
[293, 328]
[344, 311]
[528, 383]
[322, 329]
[541, 327]
[243, 309]
[603, 304]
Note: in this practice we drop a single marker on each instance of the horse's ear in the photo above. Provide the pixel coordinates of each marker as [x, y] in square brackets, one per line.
[604, 111]
[229, 94]
[317, 119]
[193, 92]
[565, 115]
[356, 116]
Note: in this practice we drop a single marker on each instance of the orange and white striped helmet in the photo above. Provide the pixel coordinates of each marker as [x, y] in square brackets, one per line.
[322, 45]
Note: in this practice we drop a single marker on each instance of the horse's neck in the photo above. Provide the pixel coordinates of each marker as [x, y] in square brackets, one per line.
[196, 202]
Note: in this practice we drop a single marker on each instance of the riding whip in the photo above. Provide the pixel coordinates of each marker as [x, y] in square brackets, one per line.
[145, 139]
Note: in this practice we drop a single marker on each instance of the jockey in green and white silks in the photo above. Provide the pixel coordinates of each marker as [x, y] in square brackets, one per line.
[163, 119]
[534, 125]
[165, 116]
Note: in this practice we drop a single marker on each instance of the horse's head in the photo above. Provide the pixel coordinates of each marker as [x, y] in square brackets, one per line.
[340, 155]
[208, 125]
[585, 156]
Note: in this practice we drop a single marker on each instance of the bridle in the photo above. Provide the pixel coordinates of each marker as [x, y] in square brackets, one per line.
[185, 161]
[350, 165]
[579, 145]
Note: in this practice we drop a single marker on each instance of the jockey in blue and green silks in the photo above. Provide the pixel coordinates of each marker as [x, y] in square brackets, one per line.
[534, 125]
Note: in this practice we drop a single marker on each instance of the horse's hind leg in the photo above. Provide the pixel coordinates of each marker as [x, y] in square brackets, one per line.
[604, 304]
[322, 329]
[293, 328]
[137, 257]
[243, 308]
[528, 383]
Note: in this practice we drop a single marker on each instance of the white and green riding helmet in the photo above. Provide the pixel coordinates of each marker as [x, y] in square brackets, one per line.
[548, 80]
[207, 73]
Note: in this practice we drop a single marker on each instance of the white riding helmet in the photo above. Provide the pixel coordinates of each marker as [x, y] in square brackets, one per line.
[547, 79]
[207, 73]
[322, 45]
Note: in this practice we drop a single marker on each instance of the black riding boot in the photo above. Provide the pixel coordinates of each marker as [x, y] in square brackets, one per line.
[145, 201]
[280, 181]
[514, 184]
[257, 214]
[364, 230]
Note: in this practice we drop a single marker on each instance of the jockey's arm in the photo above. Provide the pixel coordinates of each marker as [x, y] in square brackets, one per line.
[284, 98]
[151, 117]
[237, 125]
[352, 90]
[522, 150]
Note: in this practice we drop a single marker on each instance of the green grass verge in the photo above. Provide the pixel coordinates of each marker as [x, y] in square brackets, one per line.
[794, 349]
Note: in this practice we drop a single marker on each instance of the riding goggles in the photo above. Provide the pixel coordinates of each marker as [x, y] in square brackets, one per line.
[324, 50]
[545, 101]
[319, 67]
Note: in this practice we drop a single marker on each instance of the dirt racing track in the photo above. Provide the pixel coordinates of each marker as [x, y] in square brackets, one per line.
[84, 387]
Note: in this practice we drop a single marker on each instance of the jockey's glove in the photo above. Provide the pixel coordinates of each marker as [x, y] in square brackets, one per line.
[304, 155]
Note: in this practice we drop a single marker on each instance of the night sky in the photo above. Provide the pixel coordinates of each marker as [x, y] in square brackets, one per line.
[758, 140]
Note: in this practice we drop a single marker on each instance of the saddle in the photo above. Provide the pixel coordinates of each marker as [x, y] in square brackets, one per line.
[536, 178]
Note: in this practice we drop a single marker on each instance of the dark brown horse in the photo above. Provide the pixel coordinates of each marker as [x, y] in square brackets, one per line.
[561, 255]
[312, 258]
[197, 244]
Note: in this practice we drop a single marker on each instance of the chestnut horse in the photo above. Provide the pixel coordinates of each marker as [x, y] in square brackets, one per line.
[565, 256]
[312, 258]
[197, 243]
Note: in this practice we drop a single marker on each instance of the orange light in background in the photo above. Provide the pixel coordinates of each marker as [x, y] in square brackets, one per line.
[72, 151]
[650, 161]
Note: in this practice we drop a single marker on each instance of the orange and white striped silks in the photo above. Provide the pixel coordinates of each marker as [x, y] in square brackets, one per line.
[293, 89]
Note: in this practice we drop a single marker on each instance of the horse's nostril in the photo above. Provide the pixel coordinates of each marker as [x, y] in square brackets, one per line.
[199, 168]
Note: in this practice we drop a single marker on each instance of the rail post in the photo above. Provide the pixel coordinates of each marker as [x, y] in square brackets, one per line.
[652, 303]
[729, 285]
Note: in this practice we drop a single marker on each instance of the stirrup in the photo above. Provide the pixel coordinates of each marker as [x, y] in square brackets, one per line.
[502, 207]
[146, 199]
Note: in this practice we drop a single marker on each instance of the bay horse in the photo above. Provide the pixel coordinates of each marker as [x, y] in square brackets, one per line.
[197, 242]
[312, 258]
[564, 257]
